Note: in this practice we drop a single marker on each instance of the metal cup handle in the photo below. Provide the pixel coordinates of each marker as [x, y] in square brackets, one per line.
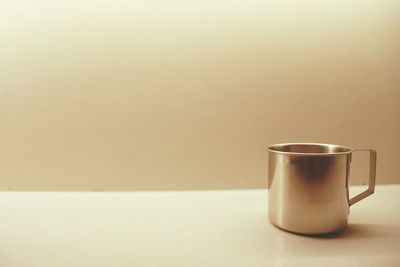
[372, 175]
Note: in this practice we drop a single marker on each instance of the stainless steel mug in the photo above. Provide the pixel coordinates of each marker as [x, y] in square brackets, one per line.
[308, 186]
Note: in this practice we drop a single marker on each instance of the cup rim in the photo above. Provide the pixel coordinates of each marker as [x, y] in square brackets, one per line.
[341, 149]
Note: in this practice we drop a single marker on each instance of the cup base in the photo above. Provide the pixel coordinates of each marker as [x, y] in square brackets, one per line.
[335, 231]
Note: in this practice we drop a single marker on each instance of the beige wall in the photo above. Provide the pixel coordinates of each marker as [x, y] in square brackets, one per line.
[184, 94]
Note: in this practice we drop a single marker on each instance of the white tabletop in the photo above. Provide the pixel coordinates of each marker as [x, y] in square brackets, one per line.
[192, 228]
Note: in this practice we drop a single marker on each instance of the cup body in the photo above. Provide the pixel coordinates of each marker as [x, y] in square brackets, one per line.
[308, 187]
